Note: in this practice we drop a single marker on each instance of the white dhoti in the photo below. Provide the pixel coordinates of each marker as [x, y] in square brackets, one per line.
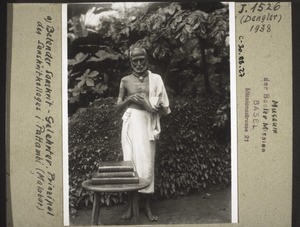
[141, 129]
[136, 145]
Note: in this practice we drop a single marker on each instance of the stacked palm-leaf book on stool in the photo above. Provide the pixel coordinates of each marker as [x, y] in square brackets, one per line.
[115, 173]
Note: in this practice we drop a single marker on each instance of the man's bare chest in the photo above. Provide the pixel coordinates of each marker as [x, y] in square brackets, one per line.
[133, 85]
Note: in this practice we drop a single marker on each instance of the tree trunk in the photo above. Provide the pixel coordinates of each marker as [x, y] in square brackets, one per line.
[167, 70]
[205, 70]
[220, 83]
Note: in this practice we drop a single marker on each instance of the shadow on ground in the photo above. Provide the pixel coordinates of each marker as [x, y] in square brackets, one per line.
[210, 207]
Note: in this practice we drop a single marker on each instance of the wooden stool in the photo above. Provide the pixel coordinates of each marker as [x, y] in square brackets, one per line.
[131, 188]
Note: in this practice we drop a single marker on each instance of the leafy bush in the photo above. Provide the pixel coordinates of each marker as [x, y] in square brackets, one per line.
[94, 135]
[189, 155]
[193, 158]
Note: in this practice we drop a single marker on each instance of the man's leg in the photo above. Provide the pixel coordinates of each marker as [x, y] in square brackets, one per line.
[148, 210]
[128, 213]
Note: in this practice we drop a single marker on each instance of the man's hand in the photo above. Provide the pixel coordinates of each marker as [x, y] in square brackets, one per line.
[137, 98]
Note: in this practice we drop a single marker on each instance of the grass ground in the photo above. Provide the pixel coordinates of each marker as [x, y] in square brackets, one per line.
[209, 207]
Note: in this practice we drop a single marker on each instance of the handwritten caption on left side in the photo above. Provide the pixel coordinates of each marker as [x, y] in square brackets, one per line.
[44, 119]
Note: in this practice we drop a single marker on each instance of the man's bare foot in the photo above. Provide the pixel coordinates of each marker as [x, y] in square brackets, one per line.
[148, 211]
[128, 213]
[150, 216]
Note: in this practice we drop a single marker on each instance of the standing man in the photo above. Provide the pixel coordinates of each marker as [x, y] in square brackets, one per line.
[143, 97]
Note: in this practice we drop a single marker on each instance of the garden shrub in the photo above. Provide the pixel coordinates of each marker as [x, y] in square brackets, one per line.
[189, 155]
[94, 136]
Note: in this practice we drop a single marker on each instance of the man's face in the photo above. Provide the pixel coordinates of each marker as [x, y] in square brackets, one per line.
[139, 62]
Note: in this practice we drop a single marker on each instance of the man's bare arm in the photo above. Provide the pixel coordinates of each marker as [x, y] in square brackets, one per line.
[122, 103]
[137, 98]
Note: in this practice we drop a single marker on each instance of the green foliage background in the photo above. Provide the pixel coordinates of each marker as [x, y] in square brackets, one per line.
[188, 46]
